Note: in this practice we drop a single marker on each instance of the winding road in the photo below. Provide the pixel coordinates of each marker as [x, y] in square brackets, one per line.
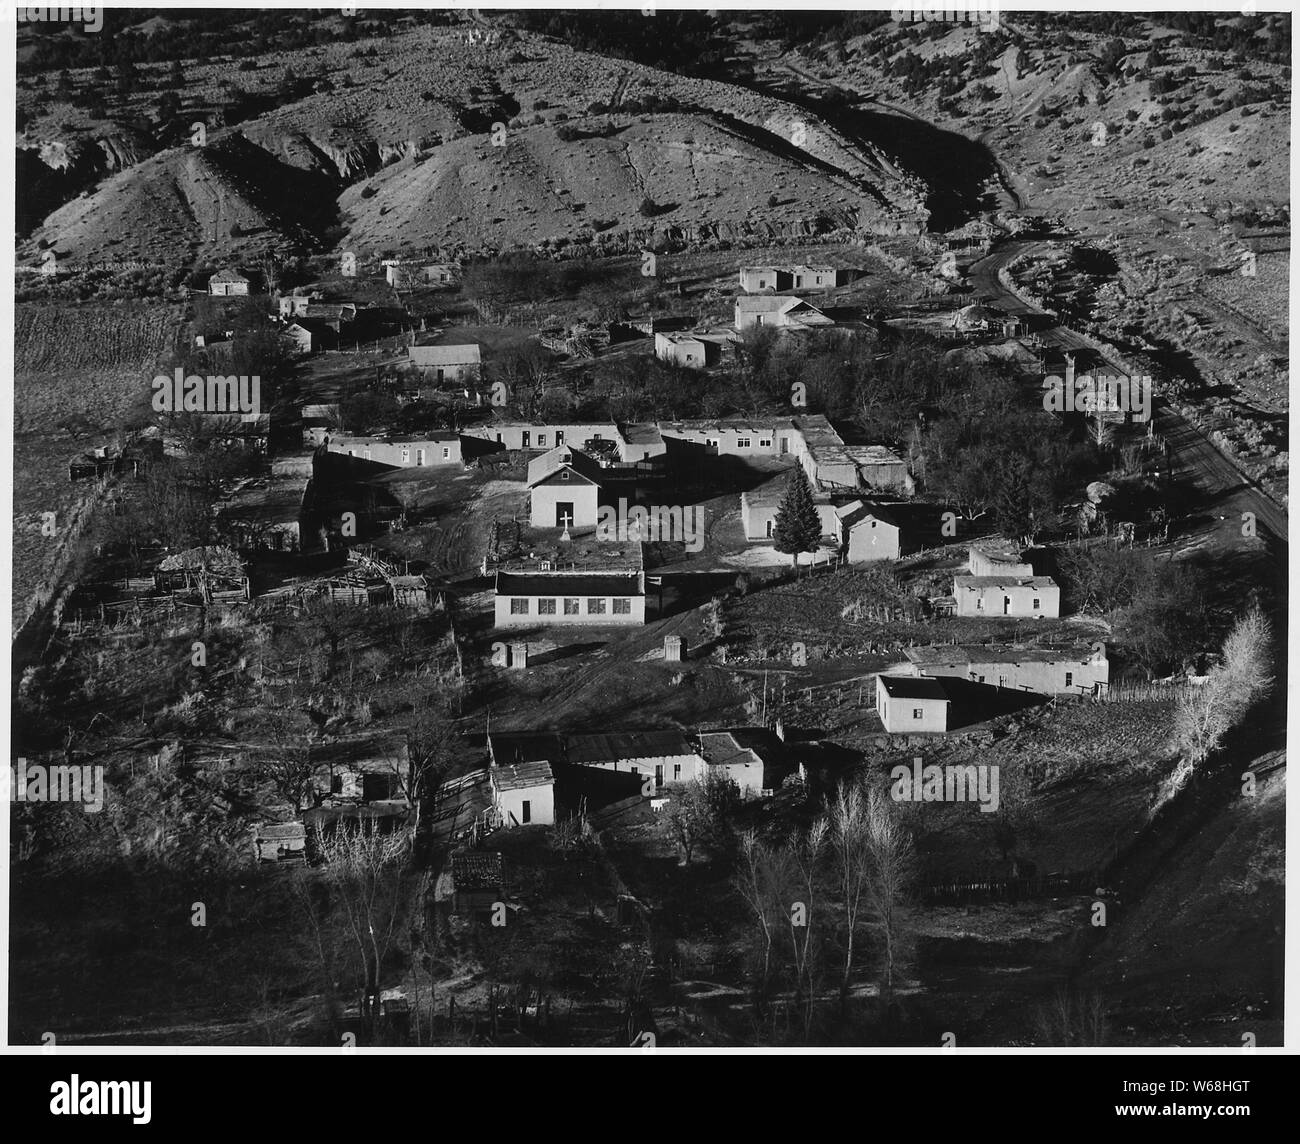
[1225, 487]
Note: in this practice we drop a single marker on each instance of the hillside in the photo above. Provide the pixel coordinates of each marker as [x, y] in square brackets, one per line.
[415, 115]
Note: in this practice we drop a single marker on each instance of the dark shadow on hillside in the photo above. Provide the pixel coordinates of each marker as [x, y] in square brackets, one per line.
[954, 167]
[978, 702]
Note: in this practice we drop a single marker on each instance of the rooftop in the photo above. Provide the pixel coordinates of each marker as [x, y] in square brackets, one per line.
[598, 748]
[914, 687]
[512, 747]
[956, 653]
[522, 776]
[563, 457]
[570, 584]
[444, 354]
[389, 750]
[974, 583]
[477, 870]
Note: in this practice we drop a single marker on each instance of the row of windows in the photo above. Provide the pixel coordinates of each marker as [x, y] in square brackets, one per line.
[596, 606]
[406, 455]
[1006, 600]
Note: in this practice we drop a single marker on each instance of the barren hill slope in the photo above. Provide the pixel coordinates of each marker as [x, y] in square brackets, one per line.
[418, 112]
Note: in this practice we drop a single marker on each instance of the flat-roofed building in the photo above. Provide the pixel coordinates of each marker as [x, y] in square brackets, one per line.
[787, 277]
[912, 704]
[448, 363]
[1037, 597]
[569, 598]
[1047, 671]
[429, 450]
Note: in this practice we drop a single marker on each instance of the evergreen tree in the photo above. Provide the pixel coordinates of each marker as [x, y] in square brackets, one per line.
[798, 528]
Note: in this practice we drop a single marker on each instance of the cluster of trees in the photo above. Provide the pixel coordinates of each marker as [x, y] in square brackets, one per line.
[1157, 608]
[519, 276]
[996, 456]
[846, 875]
[1206, 714]
[675, 40]
[206, 34]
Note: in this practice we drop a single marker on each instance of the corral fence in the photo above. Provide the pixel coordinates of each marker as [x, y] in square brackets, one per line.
[961, 891]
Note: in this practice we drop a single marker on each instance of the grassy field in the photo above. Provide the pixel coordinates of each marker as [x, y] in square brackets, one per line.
[80, 370]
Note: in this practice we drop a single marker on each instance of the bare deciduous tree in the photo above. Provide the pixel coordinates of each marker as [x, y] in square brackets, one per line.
[893, 868]
[763, 879]
[850, 850]
[1206, 713]
[806, 850]
[367, 872]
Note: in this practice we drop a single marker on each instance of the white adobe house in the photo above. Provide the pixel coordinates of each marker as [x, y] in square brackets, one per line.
[758, 512]
[523, 793]
[603, 599]
[869, 533]
[564, 488]
[455, 363]
[910, 704]
[404, 275]
[426, 451]
[686, 351]
[294, 305]
[782, 313]
[755, 278]
[1047, 671]
[666, 756]
[743, 755]
[1037, 597]
[228, 283]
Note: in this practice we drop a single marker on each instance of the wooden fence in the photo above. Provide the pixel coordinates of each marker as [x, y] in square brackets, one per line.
[958, 892]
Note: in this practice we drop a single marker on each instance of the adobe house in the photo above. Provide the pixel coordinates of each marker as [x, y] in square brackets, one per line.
[869, 533]
[310, 335]
[782, 313]
[524, 793]
[444, 363]
[591, 598]
[687, 351]
[227, 283]
[294, 305]
[401, 452]
[910, 704]
[1037, 597]
[665, 755]
[755, 278]
[564, 487]
[752, 757]
[758, 512]
[1045, 671]
[360, 768]
[404, 275]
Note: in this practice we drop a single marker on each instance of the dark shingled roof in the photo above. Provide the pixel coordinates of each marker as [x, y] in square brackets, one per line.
[598, 748]
[582, 584]
[477, 870]
[562, 456]
[914, 687]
